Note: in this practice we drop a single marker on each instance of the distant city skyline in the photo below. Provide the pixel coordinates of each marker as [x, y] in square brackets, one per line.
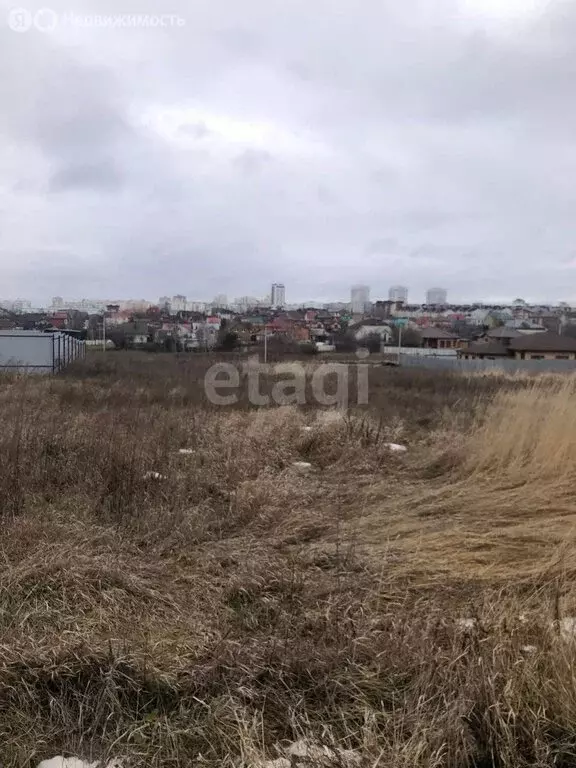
[296, 295]
[363, 293]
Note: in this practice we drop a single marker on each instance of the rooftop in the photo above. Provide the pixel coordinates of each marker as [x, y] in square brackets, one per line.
[436, 333]
[503, 332]
[492, 348]
[543, 342]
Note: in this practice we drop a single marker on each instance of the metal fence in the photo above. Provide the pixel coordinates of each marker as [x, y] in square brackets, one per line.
[38, 352]
[419, 351]
[480, 366]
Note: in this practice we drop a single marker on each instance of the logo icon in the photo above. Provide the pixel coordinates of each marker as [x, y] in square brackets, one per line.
[45, 20]
[19, 20]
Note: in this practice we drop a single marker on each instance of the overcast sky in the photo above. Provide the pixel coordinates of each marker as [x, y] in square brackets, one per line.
[318, 143]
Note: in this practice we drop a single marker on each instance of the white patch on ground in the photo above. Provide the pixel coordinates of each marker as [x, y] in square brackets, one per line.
[154, 476]
[186, 451]
[396, 447]
[568, 627]
[302, 465]
[330, 418]
[307, 753]
[316, 753]
[75, 762]
[466, 623]
[280, 762]
[529, 649]
[307, 429]
[64, 762]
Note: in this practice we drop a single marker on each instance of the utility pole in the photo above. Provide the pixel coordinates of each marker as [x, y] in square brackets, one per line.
[265, 344]
[399, 342]
[104, 331]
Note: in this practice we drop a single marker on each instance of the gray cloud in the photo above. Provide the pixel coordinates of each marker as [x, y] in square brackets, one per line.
[252, 161]
[196, 130]
[381, 245]
[91, 176]
[313, 144]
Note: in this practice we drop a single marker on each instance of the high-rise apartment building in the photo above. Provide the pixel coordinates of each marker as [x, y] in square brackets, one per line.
[197, 306]
[245, 303]
[359, 299]
[178, 303]
[220, 301]
[278, 295]
[437, 297]
[21, 305]
[398, 293]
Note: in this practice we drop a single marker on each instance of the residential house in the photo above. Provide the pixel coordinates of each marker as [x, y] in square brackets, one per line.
[536, 317]
[254, 320]
[207, 334]
[280, 326]
[318, 332]
[525, 325]
[437, 338]
[59, 319]
[136, 333]
[454, 317]
[389, 308]
[181, 332]
[486, 349]
[291, 326]
[133, 334]
[118, 317]
[479, 317]
[501, 316]
[548, 321]
[300, 333]
[372, 327]
[503, 335]
[543, 346]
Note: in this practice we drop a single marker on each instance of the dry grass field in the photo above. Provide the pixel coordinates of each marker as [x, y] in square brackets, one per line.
[175, 592]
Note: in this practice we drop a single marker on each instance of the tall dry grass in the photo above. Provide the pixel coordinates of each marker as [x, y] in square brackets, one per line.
[237, 603]
[499, 496]
[528, 436]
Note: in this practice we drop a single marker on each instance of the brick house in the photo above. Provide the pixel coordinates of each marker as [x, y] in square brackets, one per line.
[484, 350]
[59, 320]
[503, 335]
[543, 346]
[437, 338]
[536, 346]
